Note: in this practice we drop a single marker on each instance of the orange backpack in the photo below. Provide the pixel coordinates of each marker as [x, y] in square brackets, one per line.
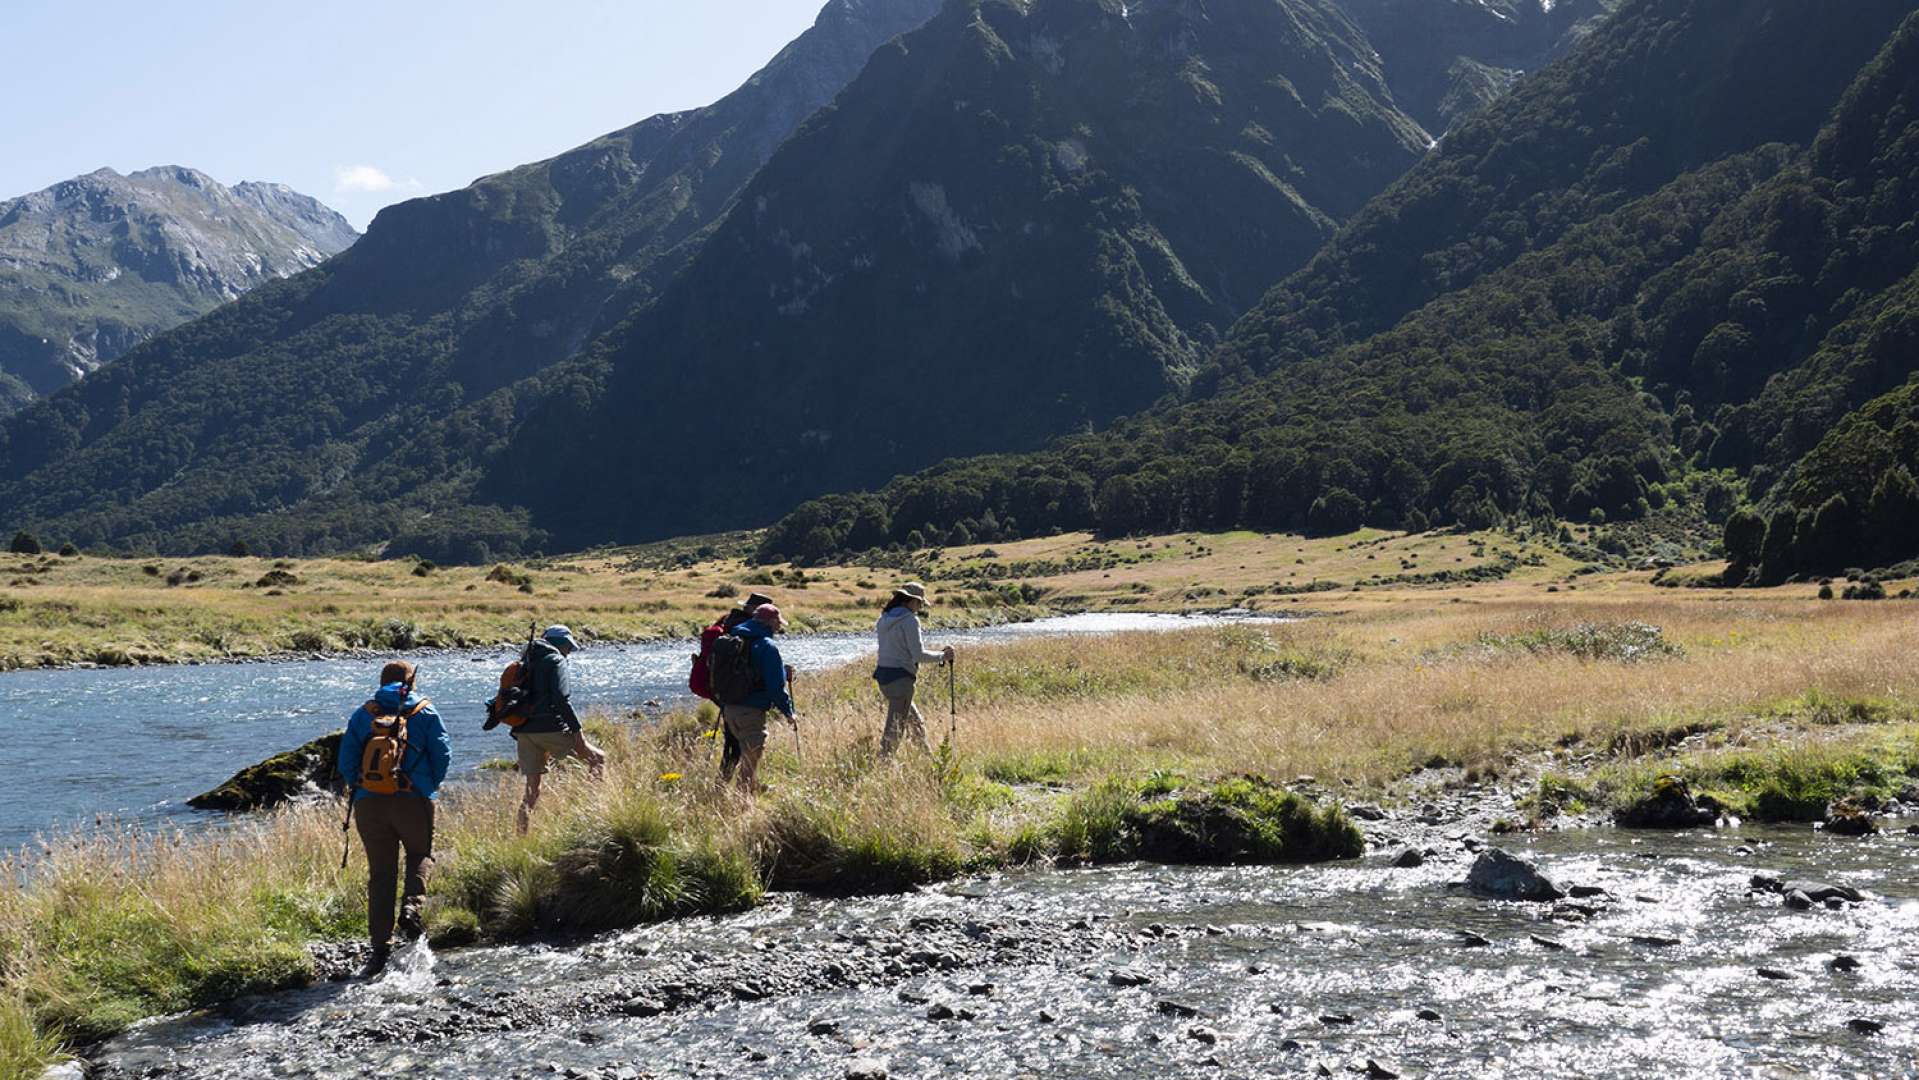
[383, 762]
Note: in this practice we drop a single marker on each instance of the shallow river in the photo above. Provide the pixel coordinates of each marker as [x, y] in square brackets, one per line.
[1253, 972]
[136, 743]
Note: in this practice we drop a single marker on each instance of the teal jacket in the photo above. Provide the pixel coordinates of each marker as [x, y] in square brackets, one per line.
[428, 750]
[772, 670]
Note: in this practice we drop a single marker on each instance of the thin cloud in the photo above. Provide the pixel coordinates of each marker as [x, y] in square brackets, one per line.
[367, 179]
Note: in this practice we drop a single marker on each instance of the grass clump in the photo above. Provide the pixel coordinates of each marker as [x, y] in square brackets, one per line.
[1794, 783]
[1242, 820]
[25, 1049]
[1626, 642]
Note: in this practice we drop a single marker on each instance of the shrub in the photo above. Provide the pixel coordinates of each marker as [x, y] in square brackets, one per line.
[24, 544]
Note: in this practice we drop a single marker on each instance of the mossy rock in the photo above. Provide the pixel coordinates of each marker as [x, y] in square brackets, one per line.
[278, 779]
[1248, 820]
[1670, 806]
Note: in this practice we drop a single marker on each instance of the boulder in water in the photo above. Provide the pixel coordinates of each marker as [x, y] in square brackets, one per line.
[1848, 819]
[308, 770]
[1670, 806]
[1500, 875]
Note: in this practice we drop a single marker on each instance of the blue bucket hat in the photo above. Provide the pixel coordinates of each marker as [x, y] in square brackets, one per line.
[560, 636]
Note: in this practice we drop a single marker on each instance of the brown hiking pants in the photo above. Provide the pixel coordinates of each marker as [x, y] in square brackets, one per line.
[388, 823]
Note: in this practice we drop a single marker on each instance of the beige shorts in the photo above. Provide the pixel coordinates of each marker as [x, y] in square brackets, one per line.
[747, 724]
[537, 748]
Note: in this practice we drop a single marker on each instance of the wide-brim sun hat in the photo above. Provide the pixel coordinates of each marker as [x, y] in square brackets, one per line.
[912, 590]
[754, 601]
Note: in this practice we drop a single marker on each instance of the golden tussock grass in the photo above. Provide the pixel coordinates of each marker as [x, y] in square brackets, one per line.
[98, 930]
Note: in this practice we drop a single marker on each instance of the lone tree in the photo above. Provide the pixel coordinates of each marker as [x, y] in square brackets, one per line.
[24, 544]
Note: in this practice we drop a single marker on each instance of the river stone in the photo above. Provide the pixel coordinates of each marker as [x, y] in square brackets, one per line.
[1843, 963]
[1500, 875]
[307, 770]
[1863, 1026]
[866, 1069]
[1798, 901]
[1847, 821]
[1775, 974]
[1670, 806]
[1469, 940]
[1378, 1070]
[1128, 977]
[1817, 892]
[1409, 858]
[73, 1070]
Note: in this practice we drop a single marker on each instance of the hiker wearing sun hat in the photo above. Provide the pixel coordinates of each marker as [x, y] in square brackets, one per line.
[552, 729]
[897, 673]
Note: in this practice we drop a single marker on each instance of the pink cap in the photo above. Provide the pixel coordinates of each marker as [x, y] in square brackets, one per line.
[769, 615]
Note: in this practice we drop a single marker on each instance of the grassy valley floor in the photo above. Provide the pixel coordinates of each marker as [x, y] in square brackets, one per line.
[1533, 688]
[80, 610]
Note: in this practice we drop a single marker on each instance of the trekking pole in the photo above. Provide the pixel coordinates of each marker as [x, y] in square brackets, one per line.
[346, 833]
[798, 750]
[952, 702]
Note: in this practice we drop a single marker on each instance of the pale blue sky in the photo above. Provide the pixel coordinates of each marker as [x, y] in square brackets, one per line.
[343, 98]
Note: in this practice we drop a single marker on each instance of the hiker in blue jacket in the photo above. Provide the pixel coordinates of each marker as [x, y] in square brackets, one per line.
[747, 720]
[404, 819]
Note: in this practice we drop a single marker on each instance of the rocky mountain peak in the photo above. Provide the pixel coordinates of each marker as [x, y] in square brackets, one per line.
[93, 265]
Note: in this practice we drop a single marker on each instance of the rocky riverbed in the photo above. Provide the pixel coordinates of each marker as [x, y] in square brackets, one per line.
[1660, 954]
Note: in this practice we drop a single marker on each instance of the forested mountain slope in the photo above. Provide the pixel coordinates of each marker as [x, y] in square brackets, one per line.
[1022, 219]
[1032, 218]
[92, 266]
[1592, 366]
[1667, 86]
[256, 421]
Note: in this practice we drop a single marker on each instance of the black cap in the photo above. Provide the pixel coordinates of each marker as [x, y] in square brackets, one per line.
[753, 601]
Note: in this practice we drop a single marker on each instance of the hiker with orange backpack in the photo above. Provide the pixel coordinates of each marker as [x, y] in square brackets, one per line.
[700, 679]
[393, 757]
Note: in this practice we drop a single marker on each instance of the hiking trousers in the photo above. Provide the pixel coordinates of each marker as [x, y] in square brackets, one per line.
[388, 823]
[903, 718]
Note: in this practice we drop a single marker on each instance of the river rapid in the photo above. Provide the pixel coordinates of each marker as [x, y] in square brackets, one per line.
[1352, 969]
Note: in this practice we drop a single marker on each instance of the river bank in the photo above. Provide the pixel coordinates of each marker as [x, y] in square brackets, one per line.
[1473, 715]
[91, 611]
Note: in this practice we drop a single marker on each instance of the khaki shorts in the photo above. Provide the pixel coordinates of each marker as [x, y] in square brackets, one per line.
[537, 748]
[747, 724]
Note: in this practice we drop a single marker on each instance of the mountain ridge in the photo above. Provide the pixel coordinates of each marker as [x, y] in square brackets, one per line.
[93, 265]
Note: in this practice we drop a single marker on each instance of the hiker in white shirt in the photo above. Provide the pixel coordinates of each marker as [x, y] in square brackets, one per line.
[901, 655]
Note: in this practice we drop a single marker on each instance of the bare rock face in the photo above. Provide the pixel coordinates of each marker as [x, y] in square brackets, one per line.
[92, 266]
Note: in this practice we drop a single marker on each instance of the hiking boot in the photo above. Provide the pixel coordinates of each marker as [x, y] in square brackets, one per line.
[412, 919]
[376, 962]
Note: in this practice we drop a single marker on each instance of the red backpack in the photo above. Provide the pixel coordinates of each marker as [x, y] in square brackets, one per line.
[700, 680]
